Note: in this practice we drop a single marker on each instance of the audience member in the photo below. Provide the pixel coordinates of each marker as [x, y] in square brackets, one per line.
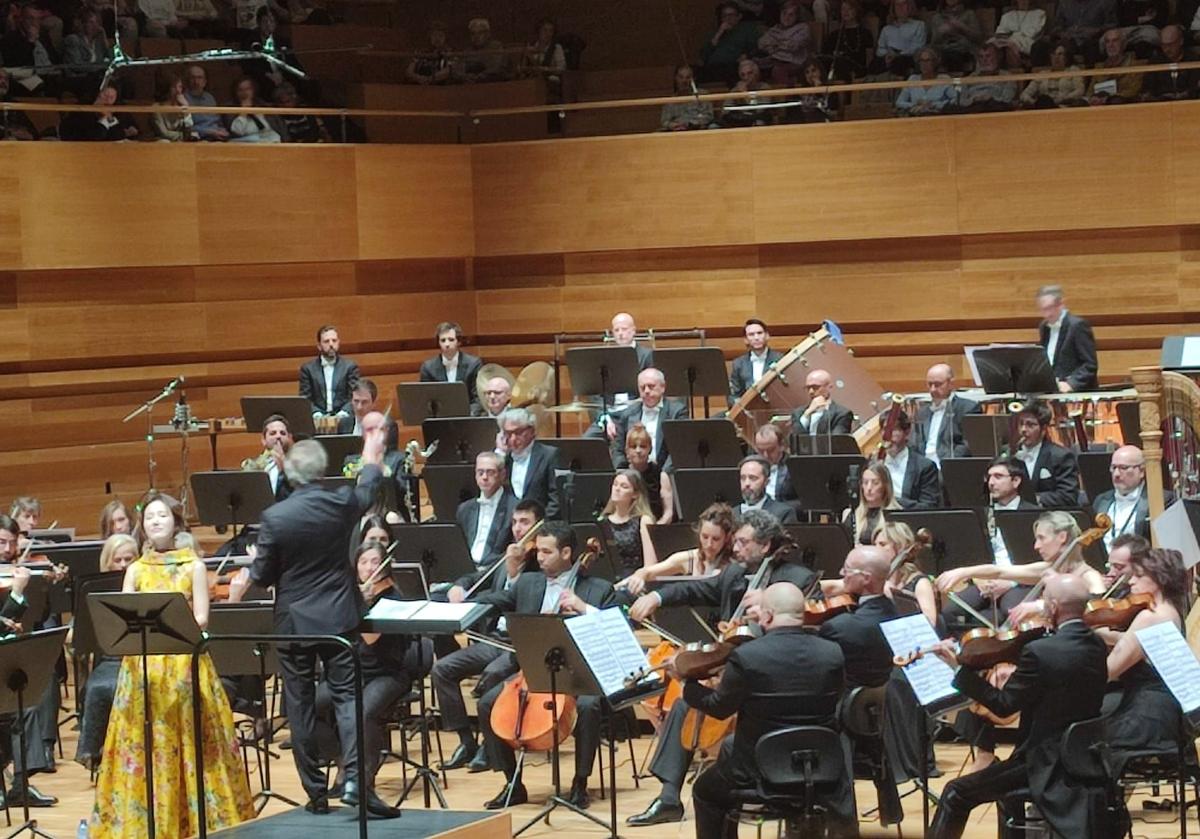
[1140, 22]
[486, 60]
[1114, 90]
[106, 126]
[815, 107]
[1172, 83]
[160, 19]
[1081, 21]
[786, 46]
[733, 40]
[300, 128]
[433, 65]
[14, 125]
[685, 116]
[252, 128]
[1055, 93]
[956, 33]
[544, 55]
[208, 126]
[87, 50]
[1018, 30]
[169, 126]
[899, 41]
[28, 55]
[741, 114]
[986, 96]
[918, 101]
[851, 44]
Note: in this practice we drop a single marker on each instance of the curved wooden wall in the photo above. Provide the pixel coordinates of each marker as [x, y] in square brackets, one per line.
[123, 266]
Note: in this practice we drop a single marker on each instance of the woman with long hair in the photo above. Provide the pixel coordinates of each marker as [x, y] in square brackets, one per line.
[875, 495]
[713, 551]
[659, 488]
[626, 520]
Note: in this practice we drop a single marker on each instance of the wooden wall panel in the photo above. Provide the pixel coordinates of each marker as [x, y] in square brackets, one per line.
[10, 211]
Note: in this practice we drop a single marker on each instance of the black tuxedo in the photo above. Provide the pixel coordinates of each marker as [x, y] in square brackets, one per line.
[922, 489]
[303, 542]
[1055, 476]
[837, 419]
[725, 590]
[345, 425]
[434, 370]
[631, 415]
[1075, 359]
[766, 698]
[868, 656]
[1141, 514]
[950, 442]
[312, 384]
[786, 513]
[539, 477]
[500, 533]
[741, 373]
[784, 491]
[1060, 679]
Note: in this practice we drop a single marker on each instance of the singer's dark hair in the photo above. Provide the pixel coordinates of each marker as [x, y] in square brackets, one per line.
[564, 536]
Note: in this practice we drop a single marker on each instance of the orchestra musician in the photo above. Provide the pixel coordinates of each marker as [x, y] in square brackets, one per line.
[114, 518]
[392, 493]
[529, 464]
[938, 431]
[1059, 679]
[327, 380]
[1126, 503]
[660, 489]
[624, 334]
[548, 591]
[1053, 470]
[10, 538]
[753, 474]
[875, 498]
[759, 538]
[626, 521]
[303, 543]
[27, 511]
[452, 364]
[497, 394]
[1119, 567]
[914, 476]
[485, 519]
[822, 415]
[277, 442]
[35, 757]
[767, 698]
[649, 410]
[771, 444]
[490, 663]
[1068, 342]
[749, 368]
[362, 402]
[713, 552]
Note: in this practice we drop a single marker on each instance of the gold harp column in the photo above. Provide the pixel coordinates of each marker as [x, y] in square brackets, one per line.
[1148, 382]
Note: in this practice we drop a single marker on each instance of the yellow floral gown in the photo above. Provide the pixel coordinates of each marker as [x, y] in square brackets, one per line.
[120, 811]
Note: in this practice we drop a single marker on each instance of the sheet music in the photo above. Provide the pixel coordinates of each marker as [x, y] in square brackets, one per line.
[439, 611]
[608, 645]
[1175, 662]
[931, 678]
[388, 609]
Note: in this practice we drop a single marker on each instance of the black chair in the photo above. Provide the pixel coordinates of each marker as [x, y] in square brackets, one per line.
[863, 717]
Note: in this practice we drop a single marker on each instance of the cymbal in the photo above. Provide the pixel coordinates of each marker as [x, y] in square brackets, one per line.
[574, 407]
[534, 384]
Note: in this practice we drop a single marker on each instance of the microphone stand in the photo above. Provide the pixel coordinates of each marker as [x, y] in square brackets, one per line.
[148, 408]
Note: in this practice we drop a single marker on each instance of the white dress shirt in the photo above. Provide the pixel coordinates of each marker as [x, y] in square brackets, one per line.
[272, 471]
[999, 549]
[1052, 342]
[1123, 512]
[451, 368]
[327, 367]
[811, 422]
[773, 479]
[758, 364]
[1029, 458]
[487, 514]
[520, 469]
[758, 505]
[555, 586]
[650, 418]
[938, 411]
[896, 467]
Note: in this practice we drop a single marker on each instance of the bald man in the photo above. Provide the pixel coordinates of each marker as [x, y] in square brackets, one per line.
[1126, 503]
[822, 415]
[623, 332]
[650, 409]
[1060, 679]
[937, 432]
[497, 393]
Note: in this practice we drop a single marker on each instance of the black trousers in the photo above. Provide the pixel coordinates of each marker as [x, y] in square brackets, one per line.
[492, 664]
[380, 693]
[964, 794]
[299, 665]
[671, 760]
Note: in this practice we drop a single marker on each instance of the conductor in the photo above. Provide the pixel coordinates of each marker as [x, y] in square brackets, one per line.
[303, 543]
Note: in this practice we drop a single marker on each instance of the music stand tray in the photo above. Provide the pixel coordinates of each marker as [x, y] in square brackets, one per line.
[448, 486]
[959, 536]
[1094, 473]
[581, 454]
[242, 658]
[698, 488]
[81, 558]
[985, 434]
[603, 371]
[420, 401]
[672, 538]
[693, 371]
[440, 548]
[338, 447]
[820, 481]
[806, 445]
[700, 443]
[823, 547]
[84, 637]
[459, 439]
[1022, 368]
[52, 535]
[297, 410]
[231, 498]
[965, 481]
[589, 494]
[1017, 529]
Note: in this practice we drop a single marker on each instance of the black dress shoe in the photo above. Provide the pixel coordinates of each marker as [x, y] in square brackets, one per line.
[318, 806]
[462, 756]
[579, 794]
[480, 762]
[519, 796]
[376, 806]
[30, 796]
[657, 813]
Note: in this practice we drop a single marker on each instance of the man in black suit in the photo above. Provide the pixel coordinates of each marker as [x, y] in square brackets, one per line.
[556, 588]
[528, 464]
[484, 520]
[277, 442]
[624, 334]
[392, 492]
[938, 430]
[1053, 470]
[1068, 342]
[327, 380]
[759, 538]
[749, 368]
[767, 698]
[822, 415]
[771, 444]
[303, 542]
[451, 364]
[1060, 679]
[649, 411]
[362, 402]
[1126, 503]
[753, 473]
[915, 478]
[492, 664]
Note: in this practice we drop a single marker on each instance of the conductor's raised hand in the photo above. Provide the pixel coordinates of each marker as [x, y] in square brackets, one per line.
[374, 444]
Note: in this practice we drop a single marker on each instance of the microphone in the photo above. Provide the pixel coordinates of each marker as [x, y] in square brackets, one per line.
[182, 414]
[174, 383]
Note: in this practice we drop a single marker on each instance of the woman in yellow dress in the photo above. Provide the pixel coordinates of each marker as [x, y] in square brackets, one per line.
[121, 808]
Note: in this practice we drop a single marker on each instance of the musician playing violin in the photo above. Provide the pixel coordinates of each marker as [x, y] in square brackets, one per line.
[1059, 679]
[714, 551]
[555, 588]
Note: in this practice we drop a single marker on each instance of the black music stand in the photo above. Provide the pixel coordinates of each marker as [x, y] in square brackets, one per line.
[231, 498]
[459, 439]
[144, 624]
[449, 486]
[806, 445]
[672, 538]
[585, 495]
[959, 536]
[1015, 369]
[339, 447]
[26, 668]
[81, 558]
[84, 636]
[697, 488]
[420, 401]
[297, 410]
[1094, 472]
[37, 600]
[693, 371]
[581, 454]
[603, 371]
[822, 481]
[964, 481]
[441, 549]
[51, 536]
[701, 443]
[986, 434]
[823, 547]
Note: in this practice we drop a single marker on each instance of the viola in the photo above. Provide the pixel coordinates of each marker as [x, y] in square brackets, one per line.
[1116, 613]
[816, 612]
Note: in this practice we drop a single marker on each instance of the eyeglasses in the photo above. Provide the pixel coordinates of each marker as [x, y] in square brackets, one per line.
[851, 572]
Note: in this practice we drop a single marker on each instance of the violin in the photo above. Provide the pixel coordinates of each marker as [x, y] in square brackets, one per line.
[375, 586]
[816, 612]
[522, 543]
[1116, 613]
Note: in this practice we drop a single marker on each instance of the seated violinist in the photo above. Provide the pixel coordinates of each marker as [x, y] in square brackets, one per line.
[714, 533]
[27, 512]
[10, 538]
[491, 663]
[767, 698]
[1117, 571]
[556, 588]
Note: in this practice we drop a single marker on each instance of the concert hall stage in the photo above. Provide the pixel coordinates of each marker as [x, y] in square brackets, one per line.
[341, 823]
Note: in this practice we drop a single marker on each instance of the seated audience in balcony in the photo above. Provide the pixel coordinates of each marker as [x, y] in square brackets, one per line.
[899, 41]
[1115, 90]
[685, 116]
[785, 46]
[173, 127]
[749, 79]
[1017, 32]
[29, 55]
[544, 55]
[1056, 93]
[252, 128]
[14, 125]
[919, 101]
[301, 128]
[815, 107]
[1082, 22]
[107, 126]
[1171, 84]
[87, 49]
[432, 65]
[985, 96]
[208, 126]
[160, 19]
[1141, 22]
[733, 40]
[486, 60]
[850, 43]
[751, 9]
[266, 38]
[956, 34]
